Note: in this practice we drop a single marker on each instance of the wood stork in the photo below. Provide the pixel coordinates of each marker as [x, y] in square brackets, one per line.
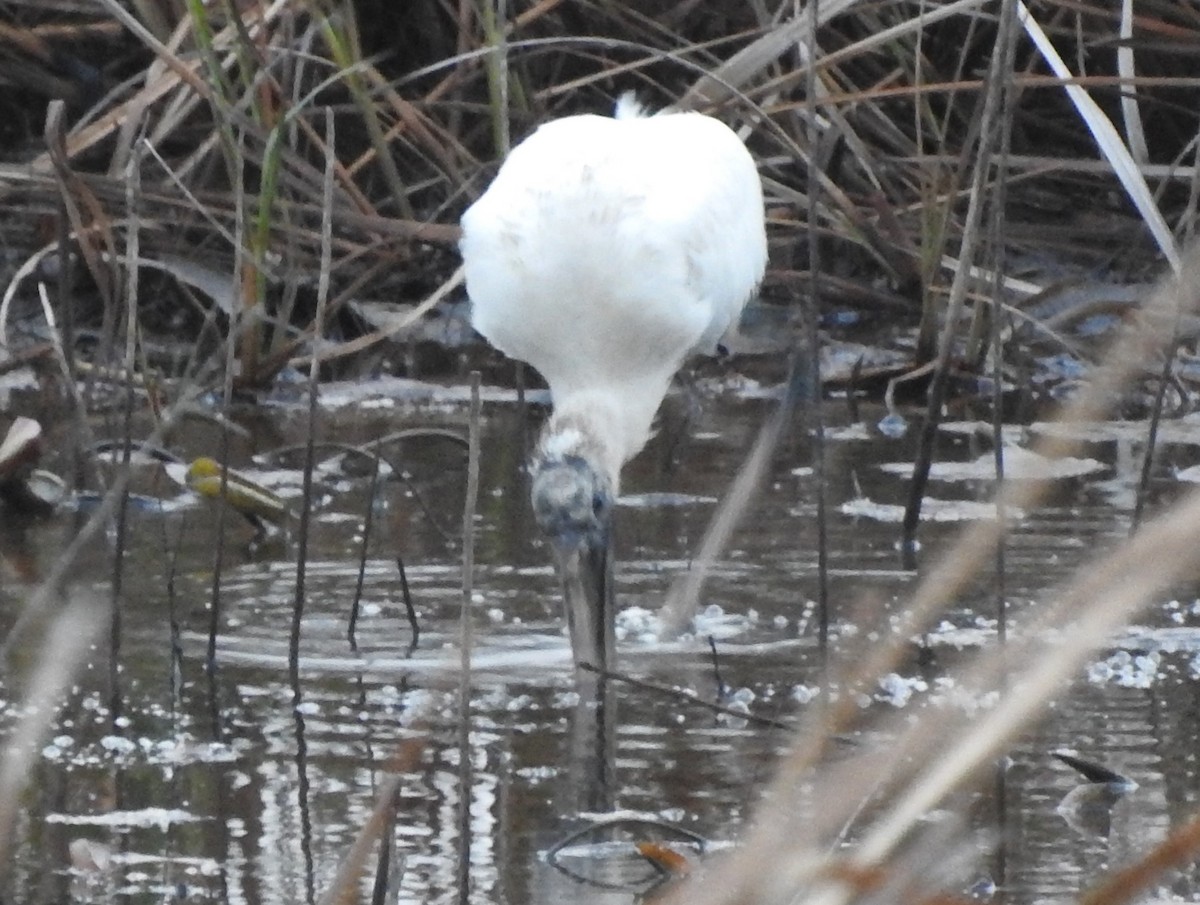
[607, 250]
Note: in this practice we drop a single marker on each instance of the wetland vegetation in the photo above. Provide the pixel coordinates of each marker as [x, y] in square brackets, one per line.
[229, 237]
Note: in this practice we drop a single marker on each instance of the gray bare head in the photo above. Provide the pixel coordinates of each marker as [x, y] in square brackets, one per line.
[572, 503]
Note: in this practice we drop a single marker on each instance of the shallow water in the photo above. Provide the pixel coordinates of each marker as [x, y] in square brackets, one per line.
[223, 790]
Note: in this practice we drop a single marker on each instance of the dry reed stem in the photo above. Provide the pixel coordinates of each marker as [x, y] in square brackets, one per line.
[1104, 595]
[1109, 142]
[989, 130]
[223, 512]
[1179, 850]
[779, 855]
[78, 406]
[878, 38]
[955, 567]
[344, 888]
[63, 653]
[683, 598]
[874, 142]
[75, 194]
[365, 342]
[713, 89]
[89, 136]
[185, 72]
[944, 579]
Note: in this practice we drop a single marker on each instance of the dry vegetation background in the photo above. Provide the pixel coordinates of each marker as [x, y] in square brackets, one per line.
[280, 170]
[203, 128]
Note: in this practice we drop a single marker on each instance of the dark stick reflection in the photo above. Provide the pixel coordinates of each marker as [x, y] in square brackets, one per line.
[592, 765]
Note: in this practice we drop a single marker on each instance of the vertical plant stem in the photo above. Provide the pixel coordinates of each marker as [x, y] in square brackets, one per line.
[66, 307]
[954, 307]
[69, 219]
[221, 99]
[494, 16]
[214, 612]
[1006, 50]
[812, 340]
[352, 626]
[683, 598]
[345, 890]
[314, 368]
[219, 93]
[174, 628]
[132, 269]
[1156, 408]
[303, 799]
[466, 637]
[345, 48]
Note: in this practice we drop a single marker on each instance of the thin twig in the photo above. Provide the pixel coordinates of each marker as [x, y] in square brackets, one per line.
[679, 694]
[722, 690]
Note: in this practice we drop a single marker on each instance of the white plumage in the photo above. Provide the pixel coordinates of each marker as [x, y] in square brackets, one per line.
[604, 253]
[606, 250]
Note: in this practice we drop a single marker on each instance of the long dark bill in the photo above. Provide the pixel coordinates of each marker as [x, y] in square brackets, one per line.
[586, 570]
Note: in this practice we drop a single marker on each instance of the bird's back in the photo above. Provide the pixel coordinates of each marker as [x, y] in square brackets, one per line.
[607, 249]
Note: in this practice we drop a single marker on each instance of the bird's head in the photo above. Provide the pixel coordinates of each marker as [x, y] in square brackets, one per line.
[572, 503]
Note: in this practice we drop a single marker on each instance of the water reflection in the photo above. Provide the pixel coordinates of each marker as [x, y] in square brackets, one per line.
[592, 772]
[233, 793]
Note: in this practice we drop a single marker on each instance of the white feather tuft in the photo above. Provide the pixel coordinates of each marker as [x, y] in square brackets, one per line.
[629, 107]
[561, 443]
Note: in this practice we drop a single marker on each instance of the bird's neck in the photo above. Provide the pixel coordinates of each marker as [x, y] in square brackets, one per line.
[592, 429]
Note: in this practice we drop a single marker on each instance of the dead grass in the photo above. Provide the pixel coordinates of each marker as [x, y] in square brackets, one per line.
[223, 115]
[220, 115]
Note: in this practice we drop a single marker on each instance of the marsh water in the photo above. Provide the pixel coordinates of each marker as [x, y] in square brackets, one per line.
[224, 788]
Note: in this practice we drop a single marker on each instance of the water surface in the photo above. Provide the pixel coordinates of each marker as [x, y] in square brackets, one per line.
[224, 789]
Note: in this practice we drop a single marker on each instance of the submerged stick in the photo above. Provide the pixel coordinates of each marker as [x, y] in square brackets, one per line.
[1156, 409]
[352, 627]
[680, 694]
[410, 608]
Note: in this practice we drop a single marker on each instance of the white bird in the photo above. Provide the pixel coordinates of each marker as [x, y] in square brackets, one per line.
[607, 250]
